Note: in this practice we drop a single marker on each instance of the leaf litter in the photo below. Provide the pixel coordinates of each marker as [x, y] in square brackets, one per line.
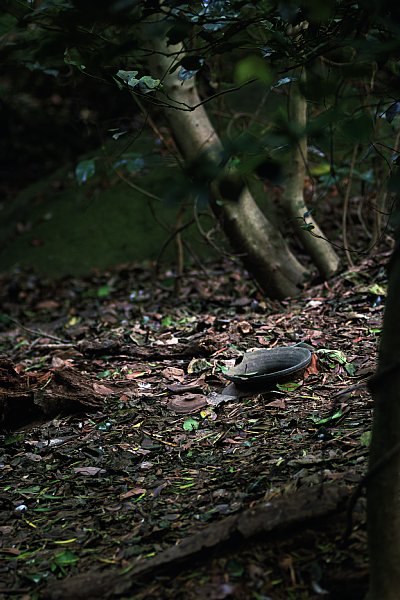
[123, 442]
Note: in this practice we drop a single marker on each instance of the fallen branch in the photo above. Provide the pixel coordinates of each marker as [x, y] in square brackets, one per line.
[309, 507]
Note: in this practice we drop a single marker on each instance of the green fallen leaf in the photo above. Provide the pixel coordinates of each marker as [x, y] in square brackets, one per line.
[66, 558]
[14, 438]
[190, 424]
[378, 290]
[36, 577]
[197, 365]
[103, 291]
[288, 387]
[104, 374]
[33, 489]
[335, 355]
[365, 438]
[327, 420]
[350, 369]
[167, 321]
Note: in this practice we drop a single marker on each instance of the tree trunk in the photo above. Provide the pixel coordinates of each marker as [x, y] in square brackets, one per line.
[383, 491]
[321, 251]
[261, 246]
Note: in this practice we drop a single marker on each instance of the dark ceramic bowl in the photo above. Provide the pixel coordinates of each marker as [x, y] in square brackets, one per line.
[269, 366]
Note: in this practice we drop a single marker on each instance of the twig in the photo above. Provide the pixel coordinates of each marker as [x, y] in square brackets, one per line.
[37, 332]
[60, 346]
[169, 239]
[346, 207]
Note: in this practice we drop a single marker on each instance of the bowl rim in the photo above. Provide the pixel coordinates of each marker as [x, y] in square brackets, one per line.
[304, 354]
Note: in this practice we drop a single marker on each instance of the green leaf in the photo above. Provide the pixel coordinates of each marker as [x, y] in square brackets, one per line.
[350, 369]
[36, 66]
[252, 67]
[333, 355]
[33, 489]
[378, 290]
[127, 75]
[148, 84]
[131, 161]
[197, 365]
[190, 424]
[36, 577]
[104, 426]
[66, 558]
[72, 57]
[322, 169]
[283, 81]
[85, 170]
[103, 291]
[288, 387]
[14, 438]
[104, 374]
[328, 420]
[167, 321]
[144, 84]
[365, 438]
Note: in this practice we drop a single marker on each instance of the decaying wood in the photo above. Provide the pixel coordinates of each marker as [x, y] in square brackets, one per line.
[16, 394]
[309, 507]
[26, 396]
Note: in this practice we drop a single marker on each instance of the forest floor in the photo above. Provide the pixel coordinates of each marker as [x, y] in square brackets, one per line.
[125, 472]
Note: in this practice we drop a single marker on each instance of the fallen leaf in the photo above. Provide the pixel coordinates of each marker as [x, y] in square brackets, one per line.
[90, 471]
[187, 403]
[174, 373]
[133, 492]
[312, 368]
[47, 305]
[59, 363]
[103, 390]
[280, 403]
[197, 365]
[137, 374]
[244, 328]
[263, 341]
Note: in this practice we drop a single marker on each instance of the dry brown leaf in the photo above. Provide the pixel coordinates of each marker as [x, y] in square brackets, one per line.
[174, 373]
[244, 328]
[102, 389]
[133, 492]
[312, 368]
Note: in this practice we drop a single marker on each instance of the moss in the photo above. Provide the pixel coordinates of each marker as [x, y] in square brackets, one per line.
[57, 227]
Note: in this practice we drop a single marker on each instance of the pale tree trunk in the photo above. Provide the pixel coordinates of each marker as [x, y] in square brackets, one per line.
[314, 242]
[260, 245]
[383, 491]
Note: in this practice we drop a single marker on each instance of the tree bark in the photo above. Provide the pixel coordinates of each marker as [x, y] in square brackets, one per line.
[383, 490]
[321, 251]
[261, 246]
